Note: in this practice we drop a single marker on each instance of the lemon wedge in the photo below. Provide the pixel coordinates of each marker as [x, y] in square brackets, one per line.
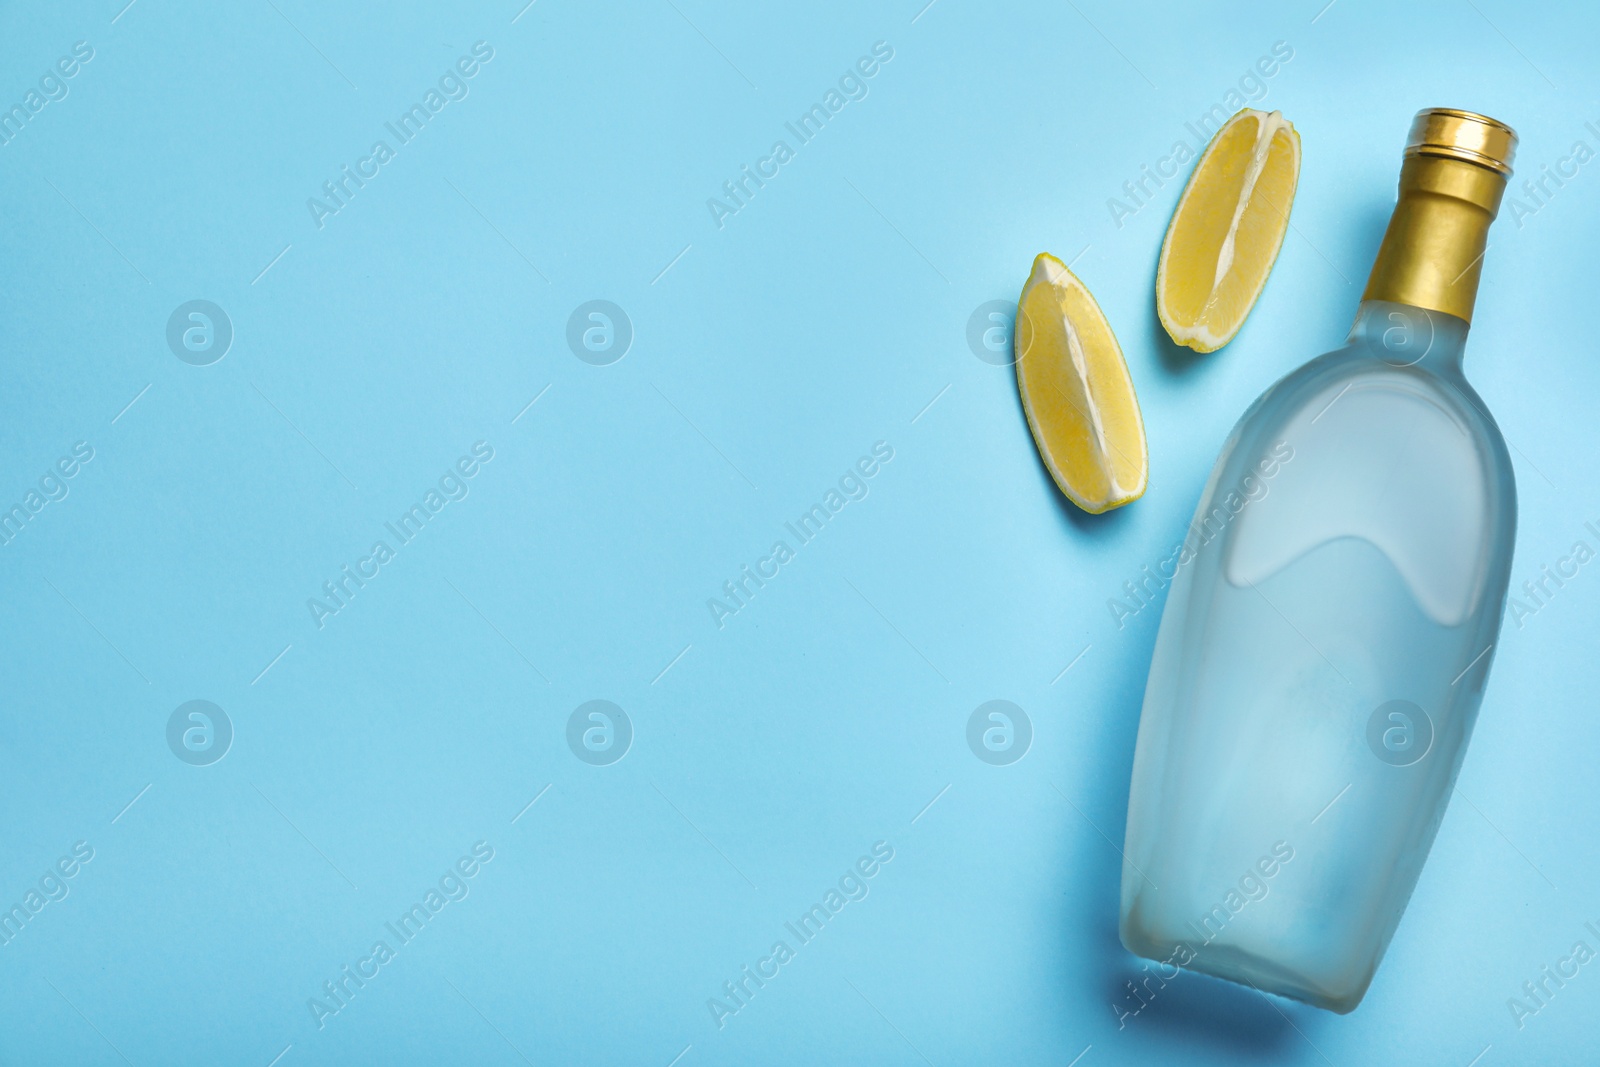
[1227, 229]
[1076, 391]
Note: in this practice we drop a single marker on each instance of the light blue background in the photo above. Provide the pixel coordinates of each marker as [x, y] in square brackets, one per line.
[825, 716]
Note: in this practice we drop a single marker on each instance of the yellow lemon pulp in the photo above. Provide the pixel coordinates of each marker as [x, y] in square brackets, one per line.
[1076, 391]
[1227, 229]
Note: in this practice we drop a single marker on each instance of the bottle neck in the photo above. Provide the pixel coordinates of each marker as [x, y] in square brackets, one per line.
[1432, 252]
[1403, 335]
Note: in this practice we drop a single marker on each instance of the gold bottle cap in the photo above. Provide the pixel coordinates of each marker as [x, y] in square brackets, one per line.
[1464, 135]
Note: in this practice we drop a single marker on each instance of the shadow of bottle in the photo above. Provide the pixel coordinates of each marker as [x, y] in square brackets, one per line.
[1183, 1009]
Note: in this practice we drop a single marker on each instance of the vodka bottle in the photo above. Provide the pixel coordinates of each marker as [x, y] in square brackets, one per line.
[1331, 622]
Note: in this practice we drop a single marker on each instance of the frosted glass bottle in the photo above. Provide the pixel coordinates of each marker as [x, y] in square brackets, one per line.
[1331, 623]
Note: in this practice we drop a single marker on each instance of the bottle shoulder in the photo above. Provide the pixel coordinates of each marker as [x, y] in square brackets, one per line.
[1385, 384]
[1350, 445]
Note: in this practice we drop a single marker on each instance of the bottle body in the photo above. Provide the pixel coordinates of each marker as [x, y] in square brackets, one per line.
[1321, 659]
